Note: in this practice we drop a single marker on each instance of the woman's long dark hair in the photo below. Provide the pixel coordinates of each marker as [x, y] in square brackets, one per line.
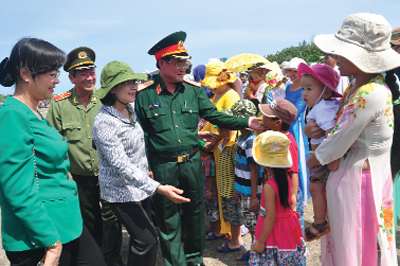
[390, 80]
[37, 55]
[281, 179]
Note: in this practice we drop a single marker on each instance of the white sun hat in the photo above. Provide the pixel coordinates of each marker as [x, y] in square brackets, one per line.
[363, 39]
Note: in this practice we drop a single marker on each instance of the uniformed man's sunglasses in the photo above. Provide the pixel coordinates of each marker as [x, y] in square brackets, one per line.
[179, 65]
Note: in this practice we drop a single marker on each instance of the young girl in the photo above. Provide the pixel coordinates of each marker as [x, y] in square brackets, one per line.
[278, 236]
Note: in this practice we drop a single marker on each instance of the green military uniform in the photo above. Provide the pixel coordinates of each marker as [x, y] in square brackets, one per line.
[75, 122]
[170, 126]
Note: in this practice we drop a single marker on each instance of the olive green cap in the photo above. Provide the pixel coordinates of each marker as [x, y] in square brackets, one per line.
[171, 45]
[80, 58]
[115, 73]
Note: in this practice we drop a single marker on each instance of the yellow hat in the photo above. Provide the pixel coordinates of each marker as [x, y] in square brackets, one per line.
[217, 75]
[271, 149]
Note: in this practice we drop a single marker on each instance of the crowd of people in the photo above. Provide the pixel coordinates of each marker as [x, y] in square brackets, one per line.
[161, 154]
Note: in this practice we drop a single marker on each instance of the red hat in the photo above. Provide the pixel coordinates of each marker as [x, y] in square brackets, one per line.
[324, 73]
[171, 45]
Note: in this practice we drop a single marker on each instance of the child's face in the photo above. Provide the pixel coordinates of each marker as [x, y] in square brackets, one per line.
[312, 89]
[224, 133]
[271, 123]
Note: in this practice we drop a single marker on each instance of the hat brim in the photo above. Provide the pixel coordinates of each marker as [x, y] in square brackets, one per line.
[211, 81]
[84, 67]
[366, 61]
[303, 68]
[103, 91]
[266, 110]
[181, 56]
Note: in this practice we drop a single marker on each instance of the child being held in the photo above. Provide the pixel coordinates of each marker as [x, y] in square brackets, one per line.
[319, 84]
[278, 235]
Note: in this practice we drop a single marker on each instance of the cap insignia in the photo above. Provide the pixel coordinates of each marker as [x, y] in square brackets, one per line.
[82, 55]
[180, 46]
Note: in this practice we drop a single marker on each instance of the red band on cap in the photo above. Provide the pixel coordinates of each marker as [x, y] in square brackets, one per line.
[173, 49]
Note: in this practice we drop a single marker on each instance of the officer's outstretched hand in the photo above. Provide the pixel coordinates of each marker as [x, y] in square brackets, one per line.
[207, 136]
[255, 124]
[172, 193]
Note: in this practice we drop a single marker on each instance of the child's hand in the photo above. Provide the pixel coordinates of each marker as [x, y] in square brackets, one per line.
[254, 204]
[333, 166]
[235, 196]
[258, 247]
[209, 195]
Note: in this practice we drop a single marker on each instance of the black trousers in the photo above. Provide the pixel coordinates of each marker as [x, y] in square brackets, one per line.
[101, 222]
[82, 251]
[135, 216]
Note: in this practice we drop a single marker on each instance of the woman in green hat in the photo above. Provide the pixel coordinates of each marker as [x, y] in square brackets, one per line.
[124, 178]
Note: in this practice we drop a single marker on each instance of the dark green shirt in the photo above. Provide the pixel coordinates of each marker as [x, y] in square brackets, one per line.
[170, 121]
[75, 122]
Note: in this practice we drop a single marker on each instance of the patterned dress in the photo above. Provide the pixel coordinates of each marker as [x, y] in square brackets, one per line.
[285, 245]
[363, 131]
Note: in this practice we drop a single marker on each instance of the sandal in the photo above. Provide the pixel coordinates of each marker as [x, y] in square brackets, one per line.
[245, 256]
[322, 229]
[224, 248]
[211, 236]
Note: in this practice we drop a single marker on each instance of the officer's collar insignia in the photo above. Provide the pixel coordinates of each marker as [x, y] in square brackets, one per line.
[82, 55]
[93, 99]
[158, 89]
[75, 100]
[145, 85]
[62, 96]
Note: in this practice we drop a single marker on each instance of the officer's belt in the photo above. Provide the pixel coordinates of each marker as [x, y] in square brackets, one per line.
[180, 159]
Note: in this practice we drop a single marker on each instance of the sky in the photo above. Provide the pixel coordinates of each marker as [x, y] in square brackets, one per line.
[125, 30]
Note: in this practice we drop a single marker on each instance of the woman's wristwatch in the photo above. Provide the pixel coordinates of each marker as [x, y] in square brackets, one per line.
[54, 245]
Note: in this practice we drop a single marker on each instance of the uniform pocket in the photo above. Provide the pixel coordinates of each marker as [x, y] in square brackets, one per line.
[158, 119]
[72, 131]
[190, 116]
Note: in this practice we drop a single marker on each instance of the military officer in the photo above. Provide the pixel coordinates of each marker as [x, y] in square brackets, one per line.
[168, 108]
[72, 113]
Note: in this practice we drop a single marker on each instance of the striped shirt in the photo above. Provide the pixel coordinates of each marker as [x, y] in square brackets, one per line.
[244, 157]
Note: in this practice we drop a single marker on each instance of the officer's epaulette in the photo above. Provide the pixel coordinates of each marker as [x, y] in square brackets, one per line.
[145, 85]
[194, 83]
[62, 96]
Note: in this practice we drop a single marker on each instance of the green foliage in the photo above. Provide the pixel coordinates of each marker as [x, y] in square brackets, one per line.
[3, 97]
[306, 51]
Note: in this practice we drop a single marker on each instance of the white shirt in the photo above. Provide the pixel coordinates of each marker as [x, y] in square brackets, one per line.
[343, 82]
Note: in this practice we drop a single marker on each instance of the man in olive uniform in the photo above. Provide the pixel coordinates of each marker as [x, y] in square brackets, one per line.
[168, 108]
[72, 113]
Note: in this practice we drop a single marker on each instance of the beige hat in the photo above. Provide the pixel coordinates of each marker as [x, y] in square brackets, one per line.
[363, 39]
[271, 149]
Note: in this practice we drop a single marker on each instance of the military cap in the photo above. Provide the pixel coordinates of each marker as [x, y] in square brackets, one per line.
[171, 45]
[80, 58]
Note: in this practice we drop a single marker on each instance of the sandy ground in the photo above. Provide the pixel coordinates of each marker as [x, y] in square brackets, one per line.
[213, 258]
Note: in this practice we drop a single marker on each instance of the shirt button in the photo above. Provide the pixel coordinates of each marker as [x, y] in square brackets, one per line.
[62, 138]
[33, 244]
[75, 193]
[65, 157]
[67, 176]
[190, 111]
[48, 123]
[156, 114]
[87, 113]
[91, 148]
[179, 141]
[174, 112]
[88, 126]
[89, 137]
[71, 127]
[92, 160]
[176, 126]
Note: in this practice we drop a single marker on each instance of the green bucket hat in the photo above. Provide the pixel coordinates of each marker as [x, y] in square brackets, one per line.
[243, 109]
[115, 73]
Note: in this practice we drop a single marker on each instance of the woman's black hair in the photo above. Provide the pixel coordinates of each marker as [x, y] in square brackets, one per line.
[390, 80]
[108, 99]
[281, 179]
[37, 55]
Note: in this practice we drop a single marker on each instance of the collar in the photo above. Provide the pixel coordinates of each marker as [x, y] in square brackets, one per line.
[77, 101]
[117, 114]
[161, 88]
[228, 144]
